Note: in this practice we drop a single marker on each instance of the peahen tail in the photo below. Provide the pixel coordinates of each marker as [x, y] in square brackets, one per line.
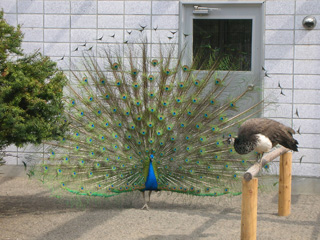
[120, 110]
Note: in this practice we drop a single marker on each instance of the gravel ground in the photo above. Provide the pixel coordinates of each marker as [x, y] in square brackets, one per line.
[30, 211]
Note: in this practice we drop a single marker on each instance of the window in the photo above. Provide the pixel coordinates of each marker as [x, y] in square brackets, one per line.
[231, 32]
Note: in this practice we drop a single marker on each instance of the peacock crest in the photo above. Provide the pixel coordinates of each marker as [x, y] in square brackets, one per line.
[136, 114]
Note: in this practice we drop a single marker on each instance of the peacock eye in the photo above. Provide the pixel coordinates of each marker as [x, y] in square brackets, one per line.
[154, 62]
[151, 77]
[185, 68]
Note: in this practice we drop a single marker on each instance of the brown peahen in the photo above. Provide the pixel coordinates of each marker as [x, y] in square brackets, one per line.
[262, 134]
[141, 123]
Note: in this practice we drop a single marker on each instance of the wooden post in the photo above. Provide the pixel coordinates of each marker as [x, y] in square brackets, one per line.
[284, 201]
[249, 209]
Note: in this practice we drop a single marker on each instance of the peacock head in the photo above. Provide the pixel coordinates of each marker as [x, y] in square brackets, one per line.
[151, 157]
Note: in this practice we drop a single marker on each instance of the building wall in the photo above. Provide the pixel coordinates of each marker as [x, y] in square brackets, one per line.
[292, 54]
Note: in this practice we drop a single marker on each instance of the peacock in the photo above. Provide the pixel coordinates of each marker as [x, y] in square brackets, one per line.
[141, 123]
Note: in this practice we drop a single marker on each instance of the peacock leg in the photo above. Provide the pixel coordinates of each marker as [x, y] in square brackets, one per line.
[145, 206]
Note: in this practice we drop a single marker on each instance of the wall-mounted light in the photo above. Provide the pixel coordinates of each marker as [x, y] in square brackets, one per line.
[309, 22]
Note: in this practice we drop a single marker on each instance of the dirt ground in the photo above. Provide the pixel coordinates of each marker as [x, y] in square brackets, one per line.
[30, 211]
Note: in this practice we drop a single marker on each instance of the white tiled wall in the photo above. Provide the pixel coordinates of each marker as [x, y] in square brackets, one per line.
[292, 57]
[292, 54]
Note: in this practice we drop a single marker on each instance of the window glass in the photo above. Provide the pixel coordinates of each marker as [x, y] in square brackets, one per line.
[229, 40]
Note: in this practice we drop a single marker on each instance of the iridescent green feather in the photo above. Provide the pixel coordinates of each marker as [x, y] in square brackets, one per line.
[132, 106]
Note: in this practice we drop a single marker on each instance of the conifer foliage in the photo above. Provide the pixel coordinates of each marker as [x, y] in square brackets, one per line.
[31, 92]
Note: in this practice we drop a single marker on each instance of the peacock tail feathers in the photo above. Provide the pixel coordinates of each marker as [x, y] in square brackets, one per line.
[122, 110]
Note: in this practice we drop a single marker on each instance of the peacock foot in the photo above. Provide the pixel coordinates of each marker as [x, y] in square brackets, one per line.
[145, 206]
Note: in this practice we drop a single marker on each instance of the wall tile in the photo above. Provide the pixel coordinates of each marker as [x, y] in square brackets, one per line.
[284, 80]
[307, 7]
[138, 7]
[308, 140]
[26, 157]
[31, 47]
[279, 51]
[135, 21]
[63, 64]
[307, 125]
[11, 148]
[279, 37]
[11, 160]
[31, 20]
[307, 67]
[32, 34]
[31, 148]
[138, 37]
[107, 33]
[274, 95]
[164, 50]
[56, 35]
[110, 21]
[307, 82]
[164, 36]
[280, 7]
[165, 22]
[58, 7]
[308, 156]
[83, 21]
[307, 52]
[11, 19]
[83, 7]
[83, 35]
[279, 66]
[308, 111]
[56, 49]
[278, 110]
[57, 21]
[110, 7]
[8, 6]
[305, 169]
[279, 22]
[30, 6]
[307, 37]
[165, 7]
[307, 96]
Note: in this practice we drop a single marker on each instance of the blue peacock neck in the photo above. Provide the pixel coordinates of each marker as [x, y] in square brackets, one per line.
[151, 182]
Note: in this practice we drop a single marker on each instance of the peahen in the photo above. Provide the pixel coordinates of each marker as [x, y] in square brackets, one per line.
[141, 123]
[262, 134]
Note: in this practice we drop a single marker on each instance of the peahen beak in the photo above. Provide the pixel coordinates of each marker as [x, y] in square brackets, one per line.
[230, 140]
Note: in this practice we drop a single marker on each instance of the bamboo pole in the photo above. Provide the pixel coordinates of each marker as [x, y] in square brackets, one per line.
[284, 200]
[249, 209]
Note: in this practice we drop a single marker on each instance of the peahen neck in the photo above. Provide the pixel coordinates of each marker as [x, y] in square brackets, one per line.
[151, 182]
[243, 146]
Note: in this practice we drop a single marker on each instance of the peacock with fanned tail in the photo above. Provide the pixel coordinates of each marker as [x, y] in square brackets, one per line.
[157, 124]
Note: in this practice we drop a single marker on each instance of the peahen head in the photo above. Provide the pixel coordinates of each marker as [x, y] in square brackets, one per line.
[240, 146]
[231, 140]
